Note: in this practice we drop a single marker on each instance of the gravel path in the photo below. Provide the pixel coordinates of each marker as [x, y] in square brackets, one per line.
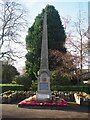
[69, 111]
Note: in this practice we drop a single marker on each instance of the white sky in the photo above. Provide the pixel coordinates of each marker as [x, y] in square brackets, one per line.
[65, 8]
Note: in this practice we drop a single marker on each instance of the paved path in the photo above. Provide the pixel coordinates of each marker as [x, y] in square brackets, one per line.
[70, 111]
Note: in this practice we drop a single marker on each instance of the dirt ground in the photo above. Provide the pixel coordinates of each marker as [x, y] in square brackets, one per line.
[72, 110]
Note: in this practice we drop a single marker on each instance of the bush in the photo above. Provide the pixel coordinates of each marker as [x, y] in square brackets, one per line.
[58, 79]
[24, 80]
[8, 73]
[34, 85]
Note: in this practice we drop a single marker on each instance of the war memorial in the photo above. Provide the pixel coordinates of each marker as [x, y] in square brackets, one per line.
[43, 95]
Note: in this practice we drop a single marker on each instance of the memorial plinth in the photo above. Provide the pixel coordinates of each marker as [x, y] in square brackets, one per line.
[44, 92]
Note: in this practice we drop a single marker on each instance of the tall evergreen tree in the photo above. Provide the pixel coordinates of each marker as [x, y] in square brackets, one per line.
[56, 33]
[56, 38]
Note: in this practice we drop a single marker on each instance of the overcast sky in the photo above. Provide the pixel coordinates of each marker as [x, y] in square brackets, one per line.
[69, 8]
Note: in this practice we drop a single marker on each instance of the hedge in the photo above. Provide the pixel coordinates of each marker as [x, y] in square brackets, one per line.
[80, 88]
[12, 87]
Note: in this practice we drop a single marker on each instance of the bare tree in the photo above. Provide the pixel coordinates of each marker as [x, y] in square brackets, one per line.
[81, 29]
[12, 23]
[77, 42]
[71, 44]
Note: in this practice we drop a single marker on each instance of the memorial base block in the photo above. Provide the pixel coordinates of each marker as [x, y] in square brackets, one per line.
[43, 97]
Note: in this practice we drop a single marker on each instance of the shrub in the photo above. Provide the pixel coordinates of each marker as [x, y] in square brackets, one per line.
[8, 73]
[23, 80]
[58, 79]
[34, 85]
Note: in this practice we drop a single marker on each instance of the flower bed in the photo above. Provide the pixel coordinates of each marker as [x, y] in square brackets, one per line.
[32, 101]
[15, 96]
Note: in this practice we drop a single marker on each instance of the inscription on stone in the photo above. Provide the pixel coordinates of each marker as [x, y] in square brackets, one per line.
[44, 79]
[43, 96]
[43, 86]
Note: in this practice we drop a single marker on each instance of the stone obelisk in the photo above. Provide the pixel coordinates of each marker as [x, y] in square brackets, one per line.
[44, 92]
